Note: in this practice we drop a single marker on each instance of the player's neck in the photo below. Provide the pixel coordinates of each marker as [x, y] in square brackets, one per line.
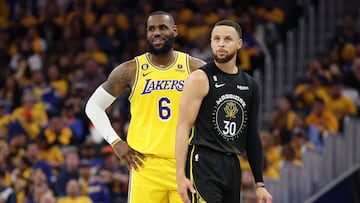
[229, 67]
[163, 60]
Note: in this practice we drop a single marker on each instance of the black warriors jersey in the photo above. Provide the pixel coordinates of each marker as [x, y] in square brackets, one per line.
[228, 115]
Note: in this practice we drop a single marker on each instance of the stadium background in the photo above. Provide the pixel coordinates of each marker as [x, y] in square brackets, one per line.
[54, 53]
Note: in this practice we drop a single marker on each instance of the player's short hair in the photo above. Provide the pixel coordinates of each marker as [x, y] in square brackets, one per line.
[163, 13]
[231, 24]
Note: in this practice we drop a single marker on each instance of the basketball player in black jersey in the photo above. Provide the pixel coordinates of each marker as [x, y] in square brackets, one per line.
[221, 102]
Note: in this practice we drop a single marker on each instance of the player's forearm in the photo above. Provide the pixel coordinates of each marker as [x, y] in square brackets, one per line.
[181, 150]
[95, 110]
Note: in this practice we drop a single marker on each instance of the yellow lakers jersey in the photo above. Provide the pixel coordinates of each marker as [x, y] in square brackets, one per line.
[154, 102]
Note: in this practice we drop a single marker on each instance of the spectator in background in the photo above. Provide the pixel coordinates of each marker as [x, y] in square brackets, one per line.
[88, 151]
[38, 186]
[81, 10]
[347, 32]
[72, 121]
[5, 120]
[33, 156]
[91, 76]
[57, 81]
[91, 184]
[322, 118]
[300, 143]
[272, 151]
[339, 104]
[28, 118]
[85, 176]
[17, 144]
[103, 41]
[50, 152]
[312, 85]
[7, 194]
[272, 18]
[57, 132]
[352, 80]
[288, 156]
[114, 175]
[65, 65]
[44, 94]
[91, 50]
[51, 24]
[24, 62]
[251, 56]
[70, 41]
[68, 171]
[20, 178]
[311, 132]
[4, 161]
[38, 44]
[73, 194]
[283, 119]
[10, 93]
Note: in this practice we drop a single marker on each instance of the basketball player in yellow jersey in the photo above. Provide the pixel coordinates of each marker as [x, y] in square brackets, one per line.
[156, 80]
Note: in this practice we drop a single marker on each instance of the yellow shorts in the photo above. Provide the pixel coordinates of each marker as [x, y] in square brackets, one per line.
[155, 183]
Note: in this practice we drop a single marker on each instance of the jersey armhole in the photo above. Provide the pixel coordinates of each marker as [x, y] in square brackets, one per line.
[137, 76]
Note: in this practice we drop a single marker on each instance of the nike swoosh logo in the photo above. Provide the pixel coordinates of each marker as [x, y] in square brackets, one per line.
[145, 74]
[219, 85]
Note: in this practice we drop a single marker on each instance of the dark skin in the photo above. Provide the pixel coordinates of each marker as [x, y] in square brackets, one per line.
[159, 28]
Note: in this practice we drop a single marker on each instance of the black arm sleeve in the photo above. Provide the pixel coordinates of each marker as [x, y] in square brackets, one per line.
[253, 145]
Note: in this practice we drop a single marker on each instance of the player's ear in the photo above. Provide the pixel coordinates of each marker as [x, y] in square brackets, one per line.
[175, 31]
[240, 43]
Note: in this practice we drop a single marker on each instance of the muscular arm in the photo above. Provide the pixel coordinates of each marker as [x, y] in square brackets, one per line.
[120, 78]
[195, 63]
[189, 107]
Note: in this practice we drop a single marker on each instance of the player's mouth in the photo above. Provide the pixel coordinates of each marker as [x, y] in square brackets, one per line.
[158, 41]
[221, 52]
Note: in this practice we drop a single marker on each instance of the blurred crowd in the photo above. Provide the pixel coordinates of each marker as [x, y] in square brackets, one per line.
[324, 96]
[54, 53]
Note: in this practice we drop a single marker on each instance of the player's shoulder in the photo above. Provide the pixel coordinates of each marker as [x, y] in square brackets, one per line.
[127, 65]
[124, 70]
[195, 63]
[251, 79]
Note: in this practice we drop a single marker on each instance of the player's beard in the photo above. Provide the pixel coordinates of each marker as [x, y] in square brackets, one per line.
[226, 59]
[168, 45]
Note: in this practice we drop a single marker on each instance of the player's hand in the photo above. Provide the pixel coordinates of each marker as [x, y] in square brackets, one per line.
[263, 195]
[133, 158]
[184, 185]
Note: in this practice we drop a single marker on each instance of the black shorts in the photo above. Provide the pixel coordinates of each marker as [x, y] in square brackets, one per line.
[216, 176]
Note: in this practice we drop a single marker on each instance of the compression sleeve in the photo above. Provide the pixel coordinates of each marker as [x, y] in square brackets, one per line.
[95, 110]
[253, 146]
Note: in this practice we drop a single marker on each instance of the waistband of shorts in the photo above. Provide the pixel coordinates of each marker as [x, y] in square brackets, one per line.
[211, 150]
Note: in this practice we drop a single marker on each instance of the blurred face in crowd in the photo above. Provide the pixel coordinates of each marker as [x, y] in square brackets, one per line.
[225, 42]
[32, 152]
[72, 161]
[318, 107]
[72, 188]
[160, 33]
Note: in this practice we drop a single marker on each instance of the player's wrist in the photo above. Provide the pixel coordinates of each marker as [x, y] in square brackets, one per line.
[117, 140]
[259, 185]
